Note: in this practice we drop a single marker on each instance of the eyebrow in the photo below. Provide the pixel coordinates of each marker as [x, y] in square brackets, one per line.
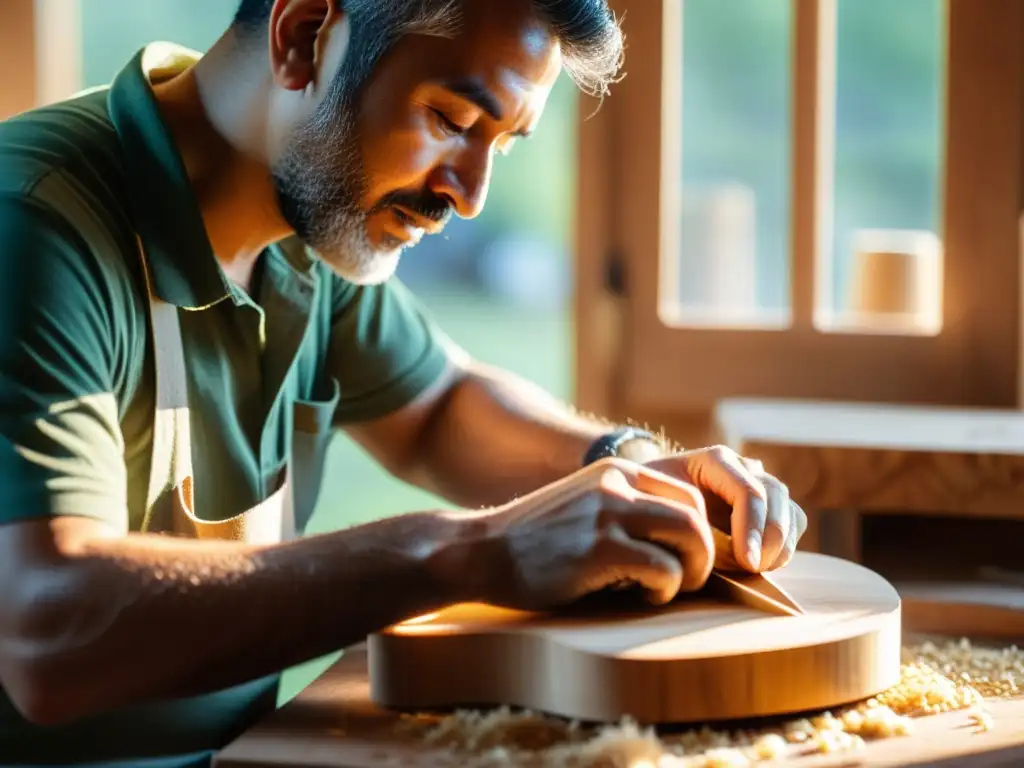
[476, 93]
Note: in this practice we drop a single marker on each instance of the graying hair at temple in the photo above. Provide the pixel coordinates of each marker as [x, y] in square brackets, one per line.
[589, 35]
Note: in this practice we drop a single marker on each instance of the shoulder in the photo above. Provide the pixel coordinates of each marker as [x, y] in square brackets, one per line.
[72, 141]
[66, 158]
[66, 241]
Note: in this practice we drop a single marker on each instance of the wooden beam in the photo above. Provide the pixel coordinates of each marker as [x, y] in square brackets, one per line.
[813, 77]
[599, 314]
[40, 53]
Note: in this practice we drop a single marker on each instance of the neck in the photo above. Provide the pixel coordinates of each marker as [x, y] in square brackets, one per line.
[215, 113]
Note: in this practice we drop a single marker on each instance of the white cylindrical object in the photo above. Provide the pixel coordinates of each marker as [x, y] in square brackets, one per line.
[718, 251]
[896, 279]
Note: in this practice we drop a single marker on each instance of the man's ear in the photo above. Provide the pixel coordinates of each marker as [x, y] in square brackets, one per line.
[295, 31]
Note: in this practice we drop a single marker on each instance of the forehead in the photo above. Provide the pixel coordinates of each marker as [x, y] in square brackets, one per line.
[501, 46]
[509, 38]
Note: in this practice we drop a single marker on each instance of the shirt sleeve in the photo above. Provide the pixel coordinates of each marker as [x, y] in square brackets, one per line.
[61, 448]
[384, 350]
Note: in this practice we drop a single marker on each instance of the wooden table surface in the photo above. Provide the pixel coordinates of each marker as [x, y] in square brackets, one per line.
[875, 426]
[332, 724]
[967, 462]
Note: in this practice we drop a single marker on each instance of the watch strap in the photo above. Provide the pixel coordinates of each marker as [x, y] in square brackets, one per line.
[608, 444]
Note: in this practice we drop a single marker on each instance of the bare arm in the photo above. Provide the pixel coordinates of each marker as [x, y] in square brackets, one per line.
[482, 436]
[85, 612]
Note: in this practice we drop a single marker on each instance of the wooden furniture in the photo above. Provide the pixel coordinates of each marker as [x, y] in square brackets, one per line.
[843, 461]
[685, 662]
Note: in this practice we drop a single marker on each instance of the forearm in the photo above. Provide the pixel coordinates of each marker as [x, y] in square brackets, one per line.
[141, 617]
[496, 436]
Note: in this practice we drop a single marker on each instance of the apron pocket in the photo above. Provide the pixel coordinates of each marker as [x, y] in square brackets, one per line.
[311, 437]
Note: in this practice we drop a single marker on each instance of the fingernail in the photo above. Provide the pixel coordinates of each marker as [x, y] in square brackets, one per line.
[754, 549]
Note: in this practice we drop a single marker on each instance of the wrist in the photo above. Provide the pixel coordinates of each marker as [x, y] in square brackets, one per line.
[631, 443]
[460, 561]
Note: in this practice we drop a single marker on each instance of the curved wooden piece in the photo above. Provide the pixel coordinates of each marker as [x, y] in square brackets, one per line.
[698, 659]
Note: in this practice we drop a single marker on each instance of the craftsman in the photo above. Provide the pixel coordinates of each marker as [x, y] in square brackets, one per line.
[221, 233]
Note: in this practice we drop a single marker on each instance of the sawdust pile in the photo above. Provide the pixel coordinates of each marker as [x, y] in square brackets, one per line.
[936, 678]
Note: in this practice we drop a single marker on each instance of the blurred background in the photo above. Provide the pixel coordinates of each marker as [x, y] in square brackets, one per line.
[502, 285]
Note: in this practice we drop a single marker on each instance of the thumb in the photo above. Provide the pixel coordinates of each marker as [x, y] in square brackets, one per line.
[720, 471]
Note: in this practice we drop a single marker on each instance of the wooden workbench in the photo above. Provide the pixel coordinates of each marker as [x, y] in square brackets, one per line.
[882, 457]
[837, 458]
[332, 724]
[844, 462]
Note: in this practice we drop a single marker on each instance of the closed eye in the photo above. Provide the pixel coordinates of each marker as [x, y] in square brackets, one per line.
[449, 126]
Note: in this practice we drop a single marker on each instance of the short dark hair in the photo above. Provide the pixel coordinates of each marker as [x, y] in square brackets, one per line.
[587, 30]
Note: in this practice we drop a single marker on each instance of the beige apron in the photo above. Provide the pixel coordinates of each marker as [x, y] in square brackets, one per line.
[170, 500]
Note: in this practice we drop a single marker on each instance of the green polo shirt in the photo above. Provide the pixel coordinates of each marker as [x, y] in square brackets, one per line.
[308, 351]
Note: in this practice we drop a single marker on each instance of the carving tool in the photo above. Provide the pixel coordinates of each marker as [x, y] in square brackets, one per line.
[756, 590]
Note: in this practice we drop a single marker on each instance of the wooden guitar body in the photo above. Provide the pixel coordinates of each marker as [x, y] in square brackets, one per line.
[699, 659]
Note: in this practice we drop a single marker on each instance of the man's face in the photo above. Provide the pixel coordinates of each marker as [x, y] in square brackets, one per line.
[387, 158]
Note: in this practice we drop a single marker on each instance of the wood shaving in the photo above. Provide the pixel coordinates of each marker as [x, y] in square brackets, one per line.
[935, 677]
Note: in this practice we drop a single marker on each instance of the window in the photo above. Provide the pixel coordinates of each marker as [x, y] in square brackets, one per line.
[803, 198]
[728, 123]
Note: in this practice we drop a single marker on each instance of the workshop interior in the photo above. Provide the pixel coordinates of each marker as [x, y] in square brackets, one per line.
[793, 228]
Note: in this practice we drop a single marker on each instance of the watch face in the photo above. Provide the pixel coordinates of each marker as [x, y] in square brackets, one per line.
[640, 450]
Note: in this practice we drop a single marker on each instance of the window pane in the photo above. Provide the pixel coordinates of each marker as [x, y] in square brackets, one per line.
[113, 30]
[731, 265]
[882, 265]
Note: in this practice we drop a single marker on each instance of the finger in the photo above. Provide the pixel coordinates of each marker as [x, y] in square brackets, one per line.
[675, 516]
[721, 472]
[649, 481]
[778, 520]
[796, 531]
[610, 472]
[607, 475]
[616, 478]
[622, 558]
[680, 529]
[754, 466]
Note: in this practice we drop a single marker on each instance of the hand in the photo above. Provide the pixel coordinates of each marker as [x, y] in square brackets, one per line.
[611, 522]
[765, 524]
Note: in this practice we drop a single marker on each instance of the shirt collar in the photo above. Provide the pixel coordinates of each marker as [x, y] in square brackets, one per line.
[163, 204]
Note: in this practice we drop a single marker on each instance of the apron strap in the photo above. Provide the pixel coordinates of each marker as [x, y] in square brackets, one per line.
[170, 497]
[172, 448]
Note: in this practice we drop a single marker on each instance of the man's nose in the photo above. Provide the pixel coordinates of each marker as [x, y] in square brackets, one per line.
[464, 185]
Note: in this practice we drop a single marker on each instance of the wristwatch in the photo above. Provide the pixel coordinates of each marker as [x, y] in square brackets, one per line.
[614, 443]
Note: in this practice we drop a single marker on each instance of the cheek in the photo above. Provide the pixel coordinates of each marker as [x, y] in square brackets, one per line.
[400, 155]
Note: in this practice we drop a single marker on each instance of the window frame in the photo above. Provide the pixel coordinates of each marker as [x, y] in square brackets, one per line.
[45, 35]
[630, 364]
